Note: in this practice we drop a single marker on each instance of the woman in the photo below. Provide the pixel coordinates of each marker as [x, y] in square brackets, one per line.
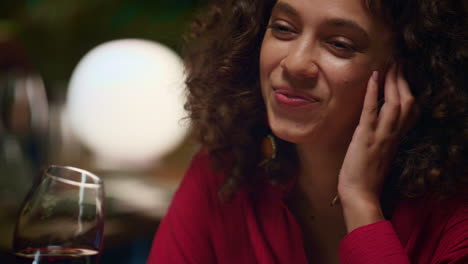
[358, 104]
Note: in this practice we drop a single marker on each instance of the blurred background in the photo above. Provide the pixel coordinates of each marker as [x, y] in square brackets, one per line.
[95, 84]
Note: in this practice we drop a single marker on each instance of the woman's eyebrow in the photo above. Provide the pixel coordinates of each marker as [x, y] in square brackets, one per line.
[346, 24]
[334, 22]
[285, 8]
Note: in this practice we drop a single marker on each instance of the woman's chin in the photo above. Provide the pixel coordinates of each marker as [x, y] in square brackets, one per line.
[295, 137]
[295, 131]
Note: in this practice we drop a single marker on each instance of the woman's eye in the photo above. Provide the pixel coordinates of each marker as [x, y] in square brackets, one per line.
[342, 46]
[281, 31]
[280, 28]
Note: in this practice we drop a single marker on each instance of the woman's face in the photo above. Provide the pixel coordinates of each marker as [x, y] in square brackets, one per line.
[315, 61]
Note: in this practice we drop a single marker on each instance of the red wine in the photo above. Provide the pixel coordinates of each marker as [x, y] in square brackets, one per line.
[56, 255]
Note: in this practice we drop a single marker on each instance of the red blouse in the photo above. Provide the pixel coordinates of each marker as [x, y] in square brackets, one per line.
[198, 228]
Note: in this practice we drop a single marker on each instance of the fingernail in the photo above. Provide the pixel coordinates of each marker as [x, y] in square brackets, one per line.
[375, 76]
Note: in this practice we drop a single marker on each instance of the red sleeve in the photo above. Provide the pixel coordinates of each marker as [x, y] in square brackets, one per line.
[184, 235]
[370, 244]
[379, 242]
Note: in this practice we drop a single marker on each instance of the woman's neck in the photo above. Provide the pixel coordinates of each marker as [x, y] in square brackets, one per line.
[322, 226]
[319, 170]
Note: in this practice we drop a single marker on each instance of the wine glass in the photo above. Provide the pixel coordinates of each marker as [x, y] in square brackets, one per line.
[62, 219]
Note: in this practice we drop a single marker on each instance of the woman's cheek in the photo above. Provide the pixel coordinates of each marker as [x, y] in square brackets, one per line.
[347, 78]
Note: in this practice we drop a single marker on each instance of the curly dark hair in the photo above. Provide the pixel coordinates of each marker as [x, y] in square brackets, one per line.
[228, 114]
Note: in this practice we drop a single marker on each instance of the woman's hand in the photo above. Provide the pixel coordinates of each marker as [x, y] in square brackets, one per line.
[373, 147]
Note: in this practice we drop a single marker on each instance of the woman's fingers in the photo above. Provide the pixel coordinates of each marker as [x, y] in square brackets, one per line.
[409, 110]
[398, 112]
[370, 108]
[389, 115]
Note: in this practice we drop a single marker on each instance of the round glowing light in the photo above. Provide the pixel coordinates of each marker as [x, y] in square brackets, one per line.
[125, 102]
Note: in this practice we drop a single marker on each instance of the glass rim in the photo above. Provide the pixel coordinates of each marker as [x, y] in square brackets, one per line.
[97, 180]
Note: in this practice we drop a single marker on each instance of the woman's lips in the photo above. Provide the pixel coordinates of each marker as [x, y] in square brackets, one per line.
[291, 98]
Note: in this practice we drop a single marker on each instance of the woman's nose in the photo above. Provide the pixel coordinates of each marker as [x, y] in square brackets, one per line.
[301, 63]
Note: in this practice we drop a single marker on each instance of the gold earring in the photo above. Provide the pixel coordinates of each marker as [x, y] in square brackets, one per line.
[335, 201]
[268, 149]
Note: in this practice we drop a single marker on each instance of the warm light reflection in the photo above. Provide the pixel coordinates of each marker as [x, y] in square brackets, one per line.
[125, 102]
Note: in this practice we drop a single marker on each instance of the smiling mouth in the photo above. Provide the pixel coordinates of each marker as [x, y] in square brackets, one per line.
[292, 99]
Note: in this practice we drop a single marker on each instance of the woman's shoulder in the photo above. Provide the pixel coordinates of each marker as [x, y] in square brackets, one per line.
[435, 207]
[455, 209]
[419, 220]
[203, 174]
[448, 204]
